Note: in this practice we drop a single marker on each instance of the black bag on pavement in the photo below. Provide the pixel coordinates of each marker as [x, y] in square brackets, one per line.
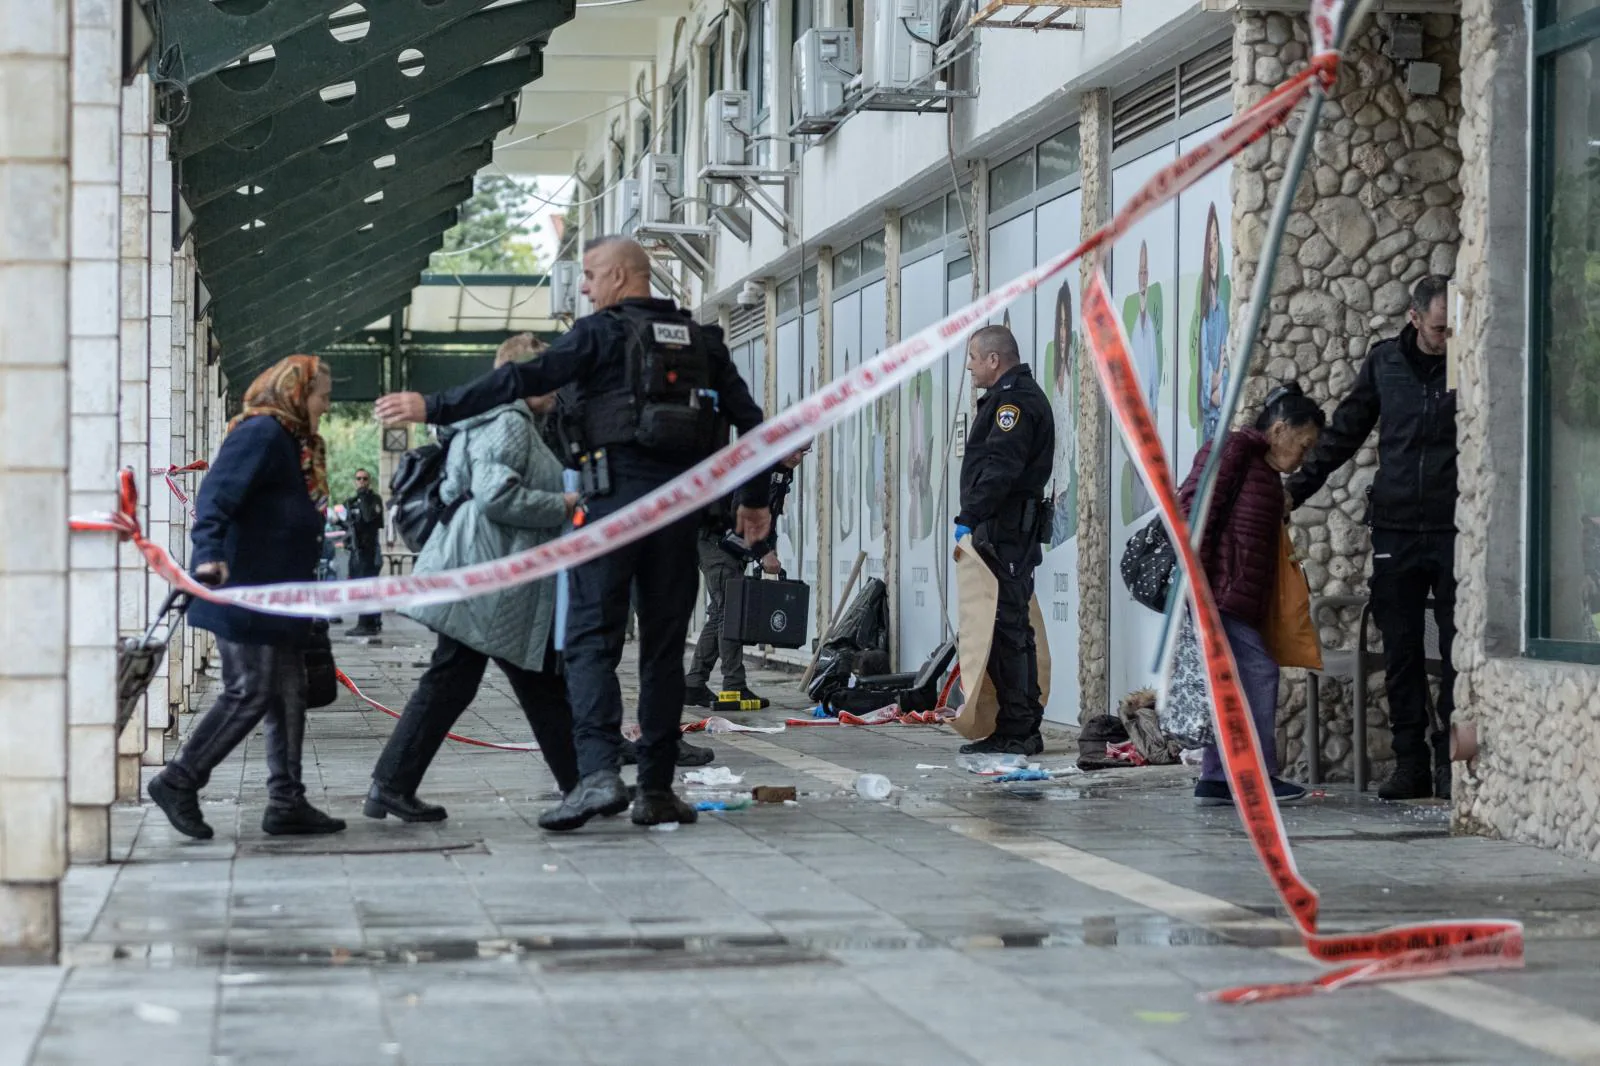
[863, 627]
[758, 610]
[1148, 563]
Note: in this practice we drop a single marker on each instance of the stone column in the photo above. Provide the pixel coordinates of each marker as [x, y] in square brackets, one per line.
[822, 595]
[889, 410]
[133, 424]
[33, 477]
[1375, 211]
[95, 324]
[1094, 441]
[164, 333]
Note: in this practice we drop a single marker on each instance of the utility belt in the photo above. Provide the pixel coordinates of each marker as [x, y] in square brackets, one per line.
[1030, 519]
[594, 473]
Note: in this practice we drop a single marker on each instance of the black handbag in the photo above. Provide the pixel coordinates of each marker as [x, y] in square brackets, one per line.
[1148, 563]
[322, 682]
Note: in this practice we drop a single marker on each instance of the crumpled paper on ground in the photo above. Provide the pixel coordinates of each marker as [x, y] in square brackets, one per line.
[978, 593]
[712, 777]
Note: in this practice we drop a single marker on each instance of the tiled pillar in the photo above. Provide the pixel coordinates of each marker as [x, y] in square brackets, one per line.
[96, 205]
[134, 388]
[180, 296]
[822, 599]
[35, 183]
[889, 418]
[165, 335]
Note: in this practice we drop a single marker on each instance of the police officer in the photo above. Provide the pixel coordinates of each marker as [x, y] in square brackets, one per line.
[651, 384]
[720, 565]
[1003, 476]
[1402, 391]
[364, 520]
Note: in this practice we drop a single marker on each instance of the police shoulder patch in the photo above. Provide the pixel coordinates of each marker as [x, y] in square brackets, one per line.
[1006, 418]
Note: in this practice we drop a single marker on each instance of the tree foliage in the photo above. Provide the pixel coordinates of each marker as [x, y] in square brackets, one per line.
[496, 217]
[353, 440]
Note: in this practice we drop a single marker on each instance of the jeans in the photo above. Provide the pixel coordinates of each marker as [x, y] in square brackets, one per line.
[663, 566]
[719, 568]
[367, 563]
[444, 692]
[1258, 677]
[1408, 569]
[260, 682]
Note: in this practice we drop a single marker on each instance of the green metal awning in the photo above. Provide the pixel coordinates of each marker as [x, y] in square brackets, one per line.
[323, 152]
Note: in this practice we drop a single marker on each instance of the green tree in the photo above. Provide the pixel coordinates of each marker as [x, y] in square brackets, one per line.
[495, 216]
[352, 437]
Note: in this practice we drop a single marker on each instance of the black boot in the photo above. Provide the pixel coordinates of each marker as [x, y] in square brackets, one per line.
[382, 802]
[1410, 780]
[1033, 743]
[600, 793]
[746, 694]
[690, 755]
[300, 820]
[999, 745]
[656, 808]
[698, 696]
[181, 806]
[1441, 779]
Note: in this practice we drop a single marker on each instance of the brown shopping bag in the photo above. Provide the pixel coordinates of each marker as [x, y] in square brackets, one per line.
[1289, 633]
[977, 594]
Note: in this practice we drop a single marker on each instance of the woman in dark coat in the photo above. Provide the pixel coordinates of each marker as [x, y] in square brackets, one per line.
[1240, 555]
[258, 521]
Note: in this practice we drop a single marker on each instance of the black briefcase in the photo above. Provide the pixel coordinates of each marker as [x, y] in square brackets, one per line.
[759, 610]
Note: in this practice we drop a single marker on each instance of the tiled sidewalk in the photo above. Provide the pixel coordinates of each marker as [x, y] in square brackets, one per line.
[961, 921]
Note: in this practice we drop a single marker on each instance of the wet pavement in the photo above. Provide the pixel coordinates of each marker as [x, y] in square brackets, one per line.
[959, 921]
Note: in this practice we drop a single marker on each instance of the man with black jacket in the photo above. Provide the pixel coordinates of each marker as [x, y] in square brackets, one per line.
[651, 383]
[1004, 471]
[1401, 389]
[364, 520]
[719, 566]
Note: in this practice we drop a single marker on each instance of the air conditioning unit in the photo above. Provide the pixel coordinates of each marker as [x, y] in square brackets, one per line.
[728, 125]
[624, 208]
[660, 186]
[900, 42]
[824, 64]
[566, 276]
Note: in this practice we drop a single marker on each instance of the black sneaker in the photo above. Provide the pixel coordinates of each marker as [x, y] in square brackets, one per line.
[1409, 781]
[656, 808]
[999, 745]
[181, 806]
[1212, 794]
[1033, 743]
[600, 793]
[1287, 792]
[300, 820]
[362, 631]
[746, 695]
[698, 696]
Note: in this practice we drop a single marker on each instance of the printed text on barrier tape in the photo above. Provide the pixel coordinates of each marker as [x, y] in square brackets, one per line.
[745, 457]
[1388, 954]
[458, 738]
[170, 472]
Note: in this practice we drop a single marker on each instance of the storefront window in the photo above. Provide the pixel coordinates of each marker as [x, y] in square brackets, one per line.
[922, 226]
[1058, 157]
[1566, 446]
[1010, 181]
[872, 253]
[847, 265]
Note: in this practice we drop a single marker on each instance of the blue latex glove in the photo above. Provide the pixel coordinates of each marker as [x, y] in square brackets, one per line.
[962, 531]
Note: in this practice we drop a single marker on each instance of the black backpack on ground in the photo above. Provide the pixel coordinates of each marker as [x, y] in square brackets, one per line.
[415, 500]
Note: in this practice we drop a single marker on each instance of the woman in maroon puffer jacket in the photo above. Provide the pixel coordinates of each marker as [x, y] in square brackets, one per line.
[1240, 555]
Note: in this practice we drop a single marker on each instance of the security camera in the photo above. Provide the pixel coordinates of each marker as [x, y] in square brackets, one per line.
[754, 294]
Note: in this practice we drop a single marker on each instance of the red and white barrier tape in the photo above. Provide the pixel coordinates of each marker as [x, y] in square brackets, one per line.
[457, 737]
[171, 472]
[1421, 950]
[744, 458]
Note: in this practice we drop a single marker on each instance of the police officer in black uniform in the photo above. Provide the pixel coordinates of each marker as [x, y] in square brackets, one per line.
[1003, 476]
[651, 386]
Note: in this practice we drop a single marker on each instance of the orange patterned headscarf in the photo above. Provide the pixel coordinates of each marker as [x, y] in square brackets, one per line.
[283, 391]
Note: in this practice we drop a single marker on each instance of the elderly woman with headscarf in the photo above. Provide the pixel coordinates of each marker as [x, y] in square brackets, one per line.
[258, 521]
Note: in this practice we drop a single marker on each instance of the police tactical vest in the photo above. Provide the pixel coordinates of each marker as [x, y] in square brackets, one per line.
[666, 402]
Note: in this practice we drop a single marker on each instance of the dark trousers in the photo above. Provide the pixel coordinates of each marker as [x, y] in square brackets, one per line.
[1014, 656]
[367, 562]
[260, 683]
[719, 568]
[446, 688]
[1408, 569]
[663, 565]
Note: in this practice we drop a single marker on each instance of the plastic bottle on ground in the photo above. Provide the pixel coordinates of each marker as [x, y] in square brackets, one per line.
[873, 787]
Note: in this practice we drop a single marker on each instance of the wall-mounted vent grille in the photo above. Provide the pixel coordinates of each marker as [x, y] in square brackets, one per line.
[1145, 109]
[747, 323]
[1205, 78]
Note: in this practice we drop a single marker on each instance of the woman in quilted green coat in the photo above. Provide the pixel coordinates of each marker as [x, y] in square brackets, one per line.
[505, 486]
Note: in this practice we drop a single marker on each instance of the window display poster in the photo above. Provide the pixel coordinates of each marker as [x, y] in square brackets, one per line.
[924, 530]
[1144, 287]
[1205, 286]
[847, 448]
[1058, 346]
[802, 494]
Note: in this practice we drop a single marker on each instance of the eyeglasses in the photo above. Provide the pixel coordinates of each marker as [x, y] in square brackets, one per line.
[360, 478]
